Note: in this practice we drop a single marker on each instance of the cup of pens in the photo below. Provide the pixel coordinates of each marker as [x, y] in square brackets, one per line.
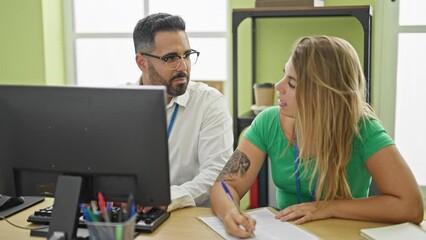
[112, 230]
[106, 223]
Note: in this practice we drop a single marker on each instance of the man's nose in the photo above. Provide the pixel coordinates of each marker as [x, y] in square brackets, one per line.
[182, 65]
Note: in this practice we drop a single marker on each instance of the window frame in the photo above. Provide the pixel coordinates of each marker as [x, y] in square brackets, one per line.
[70, 38]
[385, 71]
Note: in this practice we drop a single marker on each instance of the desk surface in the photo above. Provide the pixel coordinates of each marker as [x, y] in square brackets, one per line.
[183, 224]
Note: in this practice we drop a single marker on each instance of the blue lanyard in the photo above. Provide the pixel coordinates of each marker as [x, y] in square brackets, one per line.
[172, 120]
[296, 175]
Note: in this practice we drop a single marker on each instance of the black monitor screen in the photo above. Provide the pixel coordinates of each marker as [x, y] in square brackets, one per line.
[114, 138]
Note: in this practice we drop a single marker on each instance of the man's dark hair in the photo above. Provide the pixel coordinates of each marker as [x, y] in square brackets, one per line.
[146, 28]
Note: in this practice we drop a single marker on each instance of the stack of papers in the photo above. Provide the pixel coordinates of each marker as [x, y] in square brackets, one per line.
[267, 227]
[395, 232]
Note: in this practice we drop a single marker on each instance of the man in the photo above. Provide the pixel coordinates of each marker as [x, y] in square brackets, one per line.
[199, 124]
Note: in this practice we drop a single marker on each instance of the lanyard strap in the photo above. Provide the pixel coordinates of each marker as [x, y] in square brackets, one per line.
[172, 120]
[297, 177]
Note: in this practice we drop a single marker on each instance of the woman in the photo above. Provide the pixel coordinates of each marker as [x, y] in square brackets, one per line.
[324, 143]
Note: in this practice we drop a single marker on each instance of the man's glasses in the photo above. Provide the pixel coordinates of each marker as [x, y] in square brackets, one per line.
[173, 60]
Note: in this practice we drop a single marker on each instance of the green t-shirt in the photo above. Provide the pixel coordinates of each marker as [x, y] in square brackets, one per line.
[265, 132]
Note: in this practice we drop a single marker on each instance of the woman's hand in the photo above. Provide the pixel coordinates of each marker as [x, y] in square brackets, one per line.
[304, 212]
[238, 225]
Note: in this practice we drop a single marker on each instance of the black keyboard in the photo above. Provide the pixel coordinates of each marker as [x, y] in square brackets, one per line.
[145, 222]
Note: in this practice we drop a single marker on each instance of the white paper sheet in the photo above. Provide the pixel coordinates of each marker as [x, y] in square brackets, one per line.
[267, 227]
[395, 232]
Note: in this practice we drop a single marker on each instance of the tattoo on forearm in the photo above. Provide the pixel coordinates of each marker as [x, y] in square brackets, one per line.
[237, 164]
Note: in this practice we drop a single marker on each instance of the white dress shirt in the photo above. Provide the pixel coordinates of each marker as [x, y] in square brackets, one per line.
[200, 143]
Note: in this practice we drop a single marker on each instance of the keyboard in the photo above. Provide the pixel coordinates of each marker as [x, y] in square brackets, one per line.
[145, 222]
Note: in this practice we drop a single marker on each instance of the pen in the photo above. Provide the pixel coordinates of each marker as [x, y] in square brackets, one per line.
[91, 215]
[120, 215]
[131, 208]
[86, 214]
[102, 206]
[94, 205]
[119, 232]
[225, 187]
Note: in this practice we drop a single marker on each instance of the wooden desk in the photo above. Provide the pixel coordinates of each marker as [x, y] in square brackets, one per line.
[182, 224]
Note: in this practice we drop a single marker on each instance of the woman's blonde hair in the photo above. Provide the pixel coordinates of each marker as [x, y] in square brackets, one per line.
[330, 96]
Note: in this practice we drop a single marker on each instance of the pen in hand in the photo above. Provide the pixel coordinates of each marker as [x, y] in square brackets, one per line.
[225, 187]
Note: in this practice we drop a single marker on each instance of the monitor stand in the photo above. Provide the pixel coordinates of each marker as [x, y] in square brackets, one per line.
[82, 233]
[64, 220]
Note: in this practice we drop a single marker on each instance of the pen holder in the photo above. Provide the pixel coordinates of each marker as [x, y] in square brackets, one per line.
[112, 230]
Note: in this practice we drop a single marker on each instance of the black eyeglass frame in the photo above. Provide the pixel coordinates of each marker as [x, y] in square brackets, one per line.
[166, 58]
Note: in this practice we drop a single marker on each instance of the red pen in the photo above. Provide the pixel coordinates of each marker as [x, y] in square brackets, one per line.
[102, 206]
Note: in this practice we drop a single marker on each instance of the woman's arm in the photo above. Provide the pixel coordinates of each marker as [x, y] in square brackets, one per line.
[239, 174]
[399, 201]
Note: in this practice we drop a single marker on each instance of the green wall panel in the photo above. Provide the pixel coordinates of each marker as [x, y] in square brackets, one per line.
[53, 42]
[276, 37]
[31, 43]
[21, 42]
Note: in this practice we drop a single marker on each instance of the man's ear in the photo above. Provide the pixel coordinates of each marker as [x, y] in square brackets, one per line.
[140, 61]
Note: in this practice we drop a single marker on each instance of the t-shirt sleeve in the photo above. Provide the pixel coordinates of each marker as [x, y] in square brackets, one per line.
[257, 133]
[373, 138]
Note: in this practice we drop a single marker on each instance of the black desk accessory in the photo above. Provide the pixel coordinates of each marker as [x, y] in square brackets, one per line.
[28, 202]
[64, 220]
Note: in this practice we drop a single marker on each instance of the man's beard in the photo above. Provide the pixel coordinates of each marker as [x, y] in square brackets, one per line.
[178, 89]
[156, 79]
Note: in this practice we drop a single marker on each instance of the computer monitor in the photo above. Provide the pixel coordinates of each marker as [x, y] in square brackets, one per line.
[115, 139]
